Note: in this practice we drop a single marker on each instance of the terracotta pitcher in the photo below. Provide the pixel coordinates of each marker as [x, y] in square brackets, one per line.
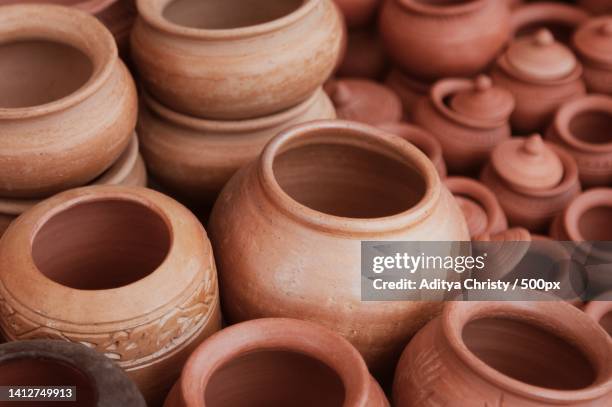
[593, 42]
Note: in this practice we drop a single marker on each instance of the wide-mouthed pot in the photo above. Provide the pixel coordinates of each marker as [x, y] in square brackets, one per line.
[235, 60]
[287, 231]
[537, 353]
[67, 102]
[276, 362]
[593, 43]
[126, 271]
[561, 19]
[97, 381]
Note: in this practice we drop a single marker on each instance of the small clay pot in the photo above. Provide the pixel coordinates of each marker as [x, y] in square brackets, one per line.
[232, 60]
[542, 74]
[98, 381]
[537, 353]
[597, 7]
[469, 118]
[593, 43]
[82, 266]
[560, 19]
[365, 56]
[481, 209]
[358, 13]
[67, 102]
[364, 101]
[431, 40]
[600, 310]
[194, 158]
[276, 362]
[408, 89]
[584, 128]
[588, 217]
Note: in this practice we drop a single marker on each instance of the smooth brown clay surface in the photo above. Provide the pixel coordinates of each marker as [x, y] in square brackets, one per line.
[358, 13]
[561, 19]
[596, 6]
[593, 43]
[588, 217]
[364, 57]
[408, 89]
[601, 311]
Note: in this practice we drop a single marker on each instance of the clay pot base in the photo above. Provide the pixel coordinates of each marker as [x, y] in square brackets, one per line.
[592, 127]
[38, 72]
[596, 224]
[228, 14]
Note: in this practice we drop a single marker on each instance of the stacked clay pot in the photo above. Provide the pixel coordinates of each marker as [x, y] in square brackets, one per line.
[593, 43]
[559, 18]
[126, 271]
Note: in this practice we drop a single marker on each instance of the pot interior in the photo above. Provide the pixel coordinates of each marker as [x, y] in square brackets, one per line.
[36, 72]
[606, 322]
[227, 14]
[596, 224]
[593, 127]
[274, 378]
[101, 244]
[528, 353]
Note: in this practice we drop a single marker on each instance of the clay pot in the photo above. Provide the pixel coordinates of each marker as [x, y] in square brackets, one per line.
[588, 217]
[422, 139]
[469, 118]
[584, 128]
[319, 189]
[98, 381]
[194, 157]
[507, 353]
[593, 43]
[408, 89]
[358, 13]
[365, 56]
[481, 209]
[82, 266]
[601, 311]
[596, 6]
[433, 40]
[542, 74]
[276, 362]
[364, 101]
[561, 19]
[233, 60]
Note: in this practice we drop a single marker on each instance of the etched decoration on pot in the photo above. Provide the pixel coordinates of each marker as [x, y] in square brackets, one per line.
[126, 271]
[560, 19]
[408, 89]
[593, 43]
[365, 56]
[358, 13]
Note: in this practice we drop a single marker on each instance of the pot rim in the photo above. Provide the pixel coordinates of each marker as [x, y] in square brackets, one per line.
[530, 13]
[416, 135]
[442, 10]
[151, 11]
[575, 329]
[102, 49]
[357, 135]
[276, 334]
[593, 198]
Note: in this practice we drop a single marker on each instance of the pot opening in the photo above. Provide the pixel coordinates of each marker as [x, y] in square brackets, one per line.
[37, 72]
[274, 378]
[227, 14]
[592, 127]
[595, 224]
[101, 244]
[606, 322]
[528, 353]
[33, 371]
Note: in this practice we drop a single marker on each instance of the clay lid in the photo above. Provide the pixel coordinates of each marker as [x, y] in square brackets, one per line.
[484, 101]
[528, 163]
[539, 56]
[594, 40]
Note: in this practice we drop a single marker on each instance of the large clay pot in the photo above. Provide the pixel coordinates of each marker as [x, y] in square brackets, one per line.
[538, 353]
[358, 13]
[469, 118]
[437, 39]
[126, 271]
[98, 381]
[235, 60]
[408, 89]
[593, 43]
[194, 158]
[561, 19]
[584, 128]
[365, 56]
[601, 311]
[314, 194]
[67, 103]
[276, 362]
[596, 6]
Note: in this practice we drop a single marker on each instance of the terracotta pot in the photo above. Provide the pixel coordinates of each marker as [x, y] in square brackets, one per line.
[469, 118]
[601, 311]
[422, 139]
[358, 13]
[98, 381]
[586, 218]
[276, 362]
[593, 42]
[365, 56]
[533, 181]
[561, 19]
[479, 205]
[433, 40]
[195, 157]
[507, 353]
[542, 74]
[596, 6]
[584, 128]
[319, 189]
[232, 60]
[408, 89]
[364, 101]
[82, 266]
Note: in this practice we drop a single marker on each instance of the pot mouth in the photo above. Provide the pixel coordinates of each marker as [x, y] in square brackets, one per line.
[423, 140]
[542, 333]
[154, 13]
[591, 207]
[577, 122]
[52, 29]
[350, 178]
[442, 7]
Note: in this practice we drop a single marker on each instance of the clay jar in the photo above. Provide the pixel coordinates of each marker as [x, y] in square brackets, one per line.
[365, 56]
[67, 102]
[430, 40]
[276, 362]
[537, 353]
[469, 118]
[593, 42]
[561, 19]
[584, 128]
[82, 266]
[194, 157]
[596, 6]
[533, 181]
[232, 60]
[542, 74]
[408, 89]
[314, 194]
[98, 381]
